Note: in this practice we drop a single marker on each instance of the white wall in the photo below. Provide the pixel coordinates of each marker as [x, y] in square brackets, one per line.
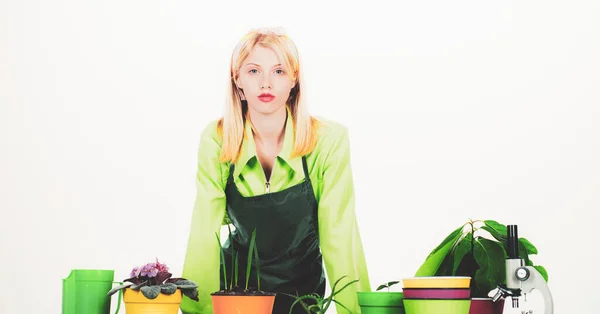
[457, 110]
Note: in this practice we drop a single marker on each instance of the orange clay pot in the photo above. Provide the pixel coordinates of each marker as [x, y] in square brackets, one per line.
[243, 304]
[137, 303]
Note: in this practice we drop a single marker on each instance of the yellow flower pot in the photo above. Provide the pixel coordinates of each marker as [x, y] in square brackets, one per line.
[137, 303]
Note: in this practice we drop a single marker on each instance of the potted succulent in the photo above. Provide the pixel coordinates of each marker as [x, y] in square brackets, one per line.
[477, 249]
[382, 301]
[318, 304]
[150, 288]
[235, 298]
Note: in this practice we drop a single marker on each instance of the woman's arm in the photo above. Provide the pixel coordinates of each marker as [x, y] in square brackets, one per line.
[202, 259]
[341, 243]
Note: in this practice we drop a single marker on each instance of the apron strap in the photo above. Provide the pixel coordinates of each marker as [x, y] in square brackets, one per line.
[230, 175]
[305, 168]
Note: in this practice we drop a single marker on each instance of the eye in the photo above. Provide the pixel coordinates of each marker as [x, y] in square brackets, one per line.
[256, 71]
[279, 71]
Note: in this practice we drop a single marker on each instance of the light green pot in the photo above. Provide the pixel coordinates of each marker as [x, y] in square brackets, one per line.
[436, 306]
[380, 302]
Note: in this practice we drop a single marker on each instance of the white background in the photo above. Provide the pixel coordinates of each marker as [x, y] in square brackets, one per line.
[456, 110]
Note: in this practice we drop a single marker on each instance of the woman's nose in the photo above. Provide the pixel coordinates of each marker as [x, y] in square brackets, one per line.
[266, 82]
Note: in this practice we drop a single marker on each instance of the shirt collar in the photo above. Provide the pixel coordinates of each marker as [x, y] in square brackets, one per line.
[249, 147]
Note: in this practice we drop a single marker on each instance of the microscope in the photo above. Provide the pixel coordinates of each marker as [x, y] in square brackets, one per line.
[520, 280]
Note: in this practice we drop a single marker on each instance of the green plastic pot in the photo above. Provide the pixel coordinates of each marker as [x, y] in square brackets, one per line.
[381, 302]
[436, 306]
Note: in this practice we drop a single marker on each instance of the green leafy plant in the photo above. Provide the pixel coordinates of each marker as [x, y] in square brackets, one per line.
[232, 287]
[319, 305]
[477, 249]
[153, 279]
[387, 285]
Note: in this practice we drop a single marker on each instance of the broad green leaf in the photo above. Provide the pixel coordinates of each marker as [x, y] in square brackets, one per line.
[489, 256]
[462, 248]
[115, 289]
[467, 267]
[150, 292]
[498, 227]
[445, 268]
[530, 248]
[450, 238]
[191, 293]
[523, 254]
[185, 284]
[168, 288]
[497, 235]
[542, 271]
[138, 286]
[432, 263]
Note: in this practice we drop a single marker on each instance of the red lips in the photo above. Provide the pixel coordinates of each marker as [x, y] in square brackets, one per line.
[266, 97]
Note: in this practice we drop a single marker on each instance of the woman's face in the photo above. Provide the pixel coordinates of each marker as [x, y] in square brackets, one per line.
[264, 81]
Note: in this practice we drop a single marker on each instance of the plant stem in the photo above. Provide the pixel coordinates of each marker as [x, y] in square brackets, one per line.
[232, 258]
[472, 238]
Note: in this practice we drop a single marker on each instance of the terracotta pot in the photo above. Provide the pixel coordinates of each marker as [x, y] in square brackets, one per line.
[137, 303]
[486, 306]
[243, 304]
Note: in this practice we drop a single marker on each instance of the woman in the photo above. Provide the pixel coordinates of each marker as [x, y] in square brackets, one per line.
[267, 164]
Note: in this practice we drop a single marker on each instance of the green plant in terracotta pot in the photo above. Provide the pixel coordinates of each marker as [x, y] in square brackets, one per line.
[477, 249]
[242, 298]
[382, 301]
[313, 303]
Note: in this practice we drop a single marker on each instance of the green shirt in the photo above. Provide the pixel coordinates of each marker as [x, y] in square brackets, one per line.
[331, 175]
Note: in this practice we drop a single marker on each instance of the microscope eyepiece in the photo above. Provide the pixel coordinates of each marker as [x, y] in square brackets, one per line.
[512, 241]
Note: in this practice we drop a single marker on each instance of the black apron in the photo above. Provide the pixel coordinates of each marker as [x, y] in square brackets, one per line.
[287, 240]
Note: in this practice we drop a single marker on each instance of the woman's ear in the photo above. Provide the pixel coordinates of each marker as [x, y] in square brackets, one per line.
[239, 89]
[241, 93]
[237, 82]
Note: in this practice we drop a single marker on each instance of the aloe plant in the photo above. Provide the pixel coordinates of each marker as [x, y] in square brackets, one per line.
[321, 304]
[477, 249]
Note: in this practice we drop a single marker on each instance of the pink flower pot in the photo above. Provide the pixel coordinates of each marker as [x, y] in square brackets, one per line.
[486, 306]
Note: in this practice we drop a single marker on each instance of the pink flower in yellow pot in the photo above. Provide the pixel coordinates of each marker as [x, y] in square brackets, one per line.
[154, 279]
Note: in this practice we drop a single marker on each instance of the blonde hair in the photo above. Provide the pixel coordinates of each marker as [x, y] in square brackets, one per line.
[232, 125]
